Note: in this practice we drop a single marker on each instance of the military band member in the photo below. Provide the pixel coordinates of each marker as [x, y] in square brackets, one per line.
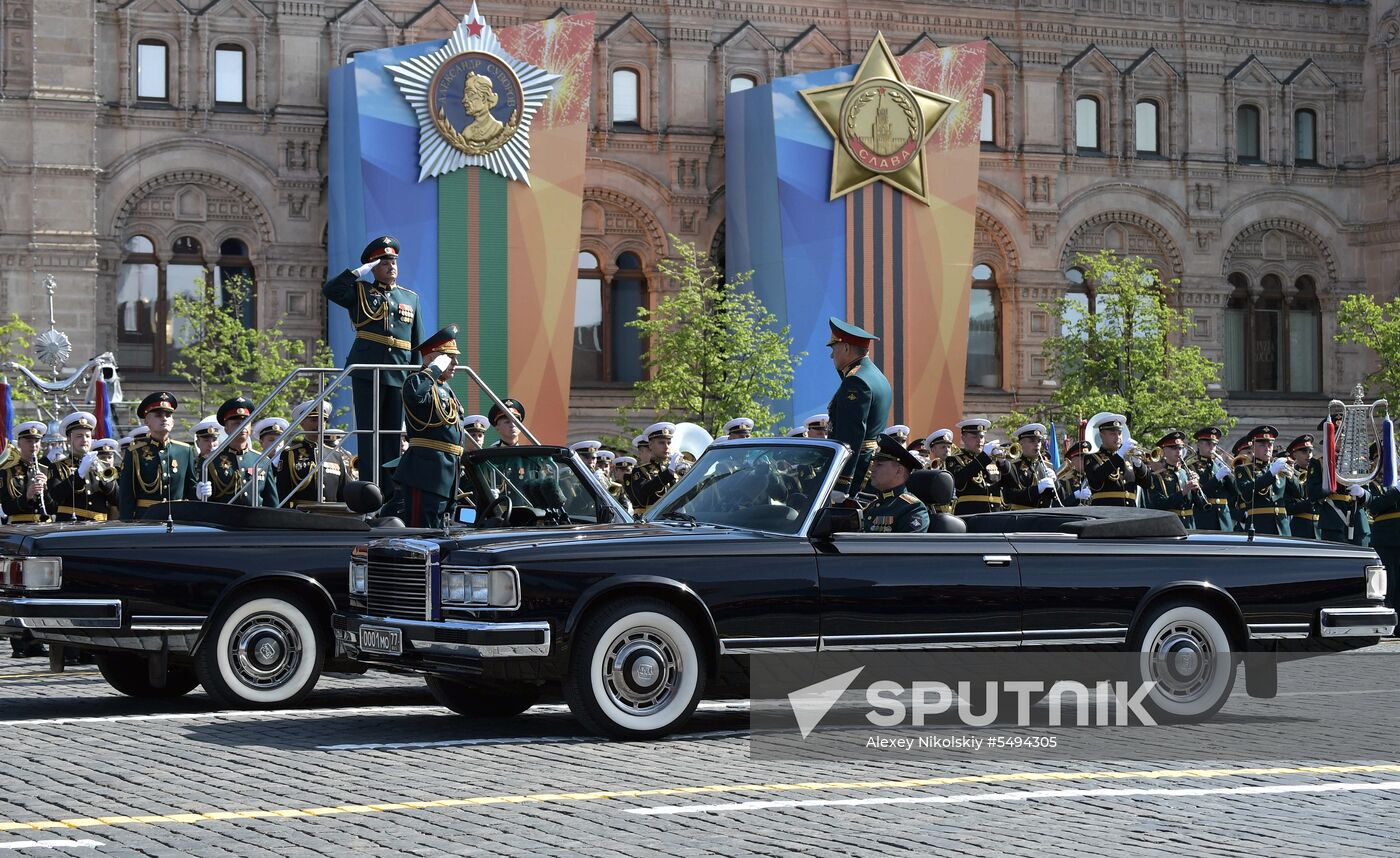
[622, 468]
[206, 437]
[25, 481]
[387, 330]
[604, 460]
[108, 452]
[818, 425]
[1302, 509]
[474, 431]
[1074, 486]
[1216, 479]
[426, 475]
[900, 433]
[940, 447]
[82, 488]
[268, 430]
[1266, 484]
[158, 468]
[894, 509]
[1384, 509]
[861, 407]
[1114, 475]
[1175, 487]
[642, 453]
[652, 480]
[799, 432]
[1028, 481]
[235, 466]
[1341, 514]
[976, 478]
[306, 462]
[738, 429]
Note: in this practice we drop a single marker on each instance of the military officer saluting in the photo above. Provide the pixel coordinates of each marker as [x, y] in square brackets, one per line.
[894, 509]
[652, 480]
[82, 488]
[386, 320]
[1266, 485]
[426, 475]
[157, 468]
[860, 409]
[1175, 487]
[1302, 510]
[1216, 479]
[235, 466]
[1113, 475]
[307, 462]
[1029, 481]
[976, 479]
[25, 478]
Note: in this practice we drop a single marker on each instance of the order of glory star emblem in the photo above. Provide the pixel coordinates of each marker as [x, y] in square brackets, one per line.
[474, 103]
[879, 124]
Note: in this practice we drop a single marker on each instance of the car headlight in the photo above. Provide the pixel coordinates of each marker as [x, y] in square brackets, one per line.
[32, 573]
[359, 570]
[1375, 582]
[481, 586]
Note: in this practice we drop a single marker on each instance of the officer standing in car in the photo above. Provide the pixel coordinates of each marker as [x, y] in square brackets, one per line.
[860, 410]
[234, 466]
[426, 475]
[894, 509]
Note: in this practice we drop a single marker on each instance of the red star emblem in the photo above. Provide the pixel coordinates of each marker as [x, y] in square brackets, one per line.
[475, 27]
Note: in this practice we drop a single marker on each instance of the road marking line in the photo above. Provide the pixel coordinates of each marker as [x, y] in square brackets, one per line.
[51, 844]
[1023, 795]
[816, 786]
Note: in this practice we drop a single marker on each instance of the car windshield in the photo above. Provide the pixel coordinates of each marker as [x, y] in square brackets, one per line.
[541, 480]
[751, 485]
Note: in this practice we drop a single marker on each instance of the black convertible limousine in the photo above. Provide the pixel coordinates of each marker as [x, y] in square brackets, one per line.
[638, 621]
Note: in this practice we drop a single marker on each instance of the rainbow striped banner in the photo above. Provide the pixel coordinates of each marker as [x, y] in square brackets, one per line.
[496, 257]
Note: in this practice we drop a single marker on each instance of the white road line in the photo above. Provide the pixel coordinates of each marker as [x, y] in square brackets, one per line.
[1022, 795]
[51, 844]
[516, 740]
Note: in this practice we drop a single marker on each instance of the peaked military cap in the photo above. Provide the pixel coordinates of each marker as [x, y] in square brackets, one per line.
[640, 440]
[234, 409]
[1077, 448]
[742, 423]
[476, 421]
[384, 245]
[625, 462]
[606, 455]
[77, 420]
[974, 425]
[660, 430]
[1032, 430]
[589, 448]
[1240, 445]
[443, 342]
[890, 448]
[1263, 433]
[1173, 439]
[899, 432]
[940, 436]
[270, 424]
[1301, 442]
[209, 427]
[818, 421]
[161, 400]
[496, 414]
[799, 432]
[30, 429]
[1209, 433]
[844, 332]
[106, 444]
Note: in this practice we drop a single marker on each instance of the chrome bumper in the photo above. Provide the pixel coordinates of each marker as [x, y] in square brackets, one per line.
[24, 613]
[1356, 622]
[460, 638]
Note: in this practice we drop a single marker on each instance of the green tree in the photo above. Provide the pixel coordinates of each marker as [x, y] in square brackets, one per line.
[1364, 321]
[221, 357]
[715, 351]
[1127, 356]
[15, 337]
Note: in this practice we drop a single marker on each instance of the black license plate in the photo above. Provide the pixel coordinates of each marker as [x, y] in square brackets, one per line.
[381, 640]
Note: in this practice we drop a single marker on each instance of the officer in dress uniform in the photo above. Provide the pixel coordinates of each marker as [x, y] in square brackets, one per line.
[1175, 488]
[894, 509]
[1216, 479]
[306, 462]
[817, 426]
[233, 467]
[656, 477]
[940, 447]
[976, 478]
[1384, 509]
[1074, 487]
[268, 430]
[157, 468]
[642, 454]
[860, 409]
[386, 320]
[515, 468]
[1302, 510]
[1028, 481]
[738, 429]
[1341, 515]
[426, 475]
[900, 433]
[83, 488]
[26, 483]
[206, 437]
[1113, 476]
[1266, 484]
[474, 431]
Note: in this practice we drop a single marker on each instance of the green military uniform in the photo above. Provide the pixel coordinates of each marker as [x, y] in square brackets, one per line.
[15, 478]
[387, 330]
[426, 474]
[1302, 509]
[1384, 508]
[1212, 505]
[1168, 486]
[323, 463]
[1266, 489]
[895, 509]
[155, 471]
[860, 409]
[230, 471]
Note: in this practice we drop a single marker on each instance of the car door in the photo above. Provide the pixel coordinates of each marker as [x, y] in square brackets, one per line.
[1083, 591]
[915, 591]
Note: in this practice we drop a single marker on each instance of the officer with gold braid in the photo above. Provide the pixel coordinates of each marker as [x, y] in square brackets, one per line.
[25, 480]
[306, 462]
[1028, 481]
[1341, 514]
[83, 489]
[1266, 484]
[976, 479]
[233, 467]
[387, 330]
[157, 468]
[1217, 481]
[1112, 473]
[860, 410]
[1302, 510]
[426, 475]
[1175, 487]
[894, 509]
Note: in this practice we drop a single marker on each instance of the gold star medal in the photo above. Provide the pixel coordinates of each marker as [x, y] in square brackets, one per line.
[879, 125]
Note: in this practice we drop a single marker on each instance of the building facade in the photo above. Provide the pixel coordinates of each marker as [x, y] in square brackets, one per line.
[1249, 148]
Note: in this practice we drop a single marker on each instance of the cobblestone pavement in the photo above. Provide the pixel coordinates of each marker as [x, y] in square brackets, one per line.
[371, 767]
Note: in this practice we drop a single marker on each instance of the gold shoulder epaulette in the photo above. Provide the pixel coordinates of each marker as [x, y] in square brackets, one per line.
[175, 443]
[907, 497]
[404, 288]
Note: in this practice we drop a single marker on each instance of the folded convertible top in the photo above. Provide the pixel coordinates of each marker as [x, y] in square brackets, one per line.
[1086, 522]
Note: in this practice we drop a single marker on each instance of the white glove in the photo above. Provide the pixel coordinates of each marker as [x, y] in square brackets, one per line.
[1221, 472]
[1356, 491]
[1278, 466]
[674, 462]
[54, 454]
[838, 497]
[277, 459]
[439, 365]
[1083, 493]
[991, 448]
[1127, 448]
[86, 464]
[1045, 484]
[204, 490]
[363, 271]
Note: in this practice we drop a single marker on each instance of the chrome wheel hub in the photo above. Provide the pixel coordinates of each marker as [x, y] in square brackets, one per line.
[641, 670]
[1183, 661]
[265, 651]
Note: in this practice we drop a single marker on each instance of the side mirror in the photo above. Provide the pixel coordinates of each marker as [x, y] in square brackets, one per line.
[833, 520]
[363, 497]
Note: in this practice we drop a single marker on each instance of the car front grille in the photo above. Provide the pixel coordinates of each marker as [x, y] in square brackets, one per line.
[398, 584]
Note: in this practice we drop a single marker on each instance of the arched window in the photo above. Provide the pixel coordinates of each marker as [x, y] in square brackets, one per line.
[1273, 342]
[234, 280]
[588, 320]
[1086, 123]
[1236, 322]
[1266, 336]
[1305, 137]
[152, 70]
[228, 75]
[185, 274]
[626, 97]
[741, 82]
[627, 295]
[1304, 338]
[989, 112]
[983, 331]
[1081, 303]
[1145, 125]
[1247, 133]
[138, 296]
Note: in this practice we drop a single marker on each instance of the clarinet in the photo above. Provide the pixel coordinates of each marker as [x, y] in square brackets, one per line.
[39, 495]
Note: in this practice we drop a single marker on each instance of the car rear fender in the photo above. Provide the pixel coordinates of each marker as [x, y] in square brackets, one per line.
[1203, 592]
[268, 580]
[667, 589]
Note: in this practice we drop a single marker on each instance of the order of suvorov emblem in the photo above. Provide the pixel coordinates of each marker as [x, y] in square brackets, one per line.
[475, 102]
[881, 125]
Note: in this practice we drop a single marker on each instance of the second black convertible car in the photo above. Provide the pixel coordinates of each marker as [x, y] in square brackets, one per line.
[638, 621]
[239, 599]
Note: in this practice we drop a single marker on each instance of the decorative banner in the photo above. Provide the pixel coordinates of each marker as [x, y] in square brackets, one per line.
[489, 236]
[827, 236]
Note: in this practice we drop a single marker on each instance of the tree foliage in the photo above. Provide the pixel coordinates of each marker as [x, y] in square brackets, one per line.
[1127, 356]
[715, 351]
[221, 357]
[1364, 321]
[15, 338]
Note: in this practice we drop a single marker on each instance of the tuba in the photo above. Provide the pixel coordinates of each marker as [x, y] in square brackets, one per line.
[1357, 432]
[690, 440]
